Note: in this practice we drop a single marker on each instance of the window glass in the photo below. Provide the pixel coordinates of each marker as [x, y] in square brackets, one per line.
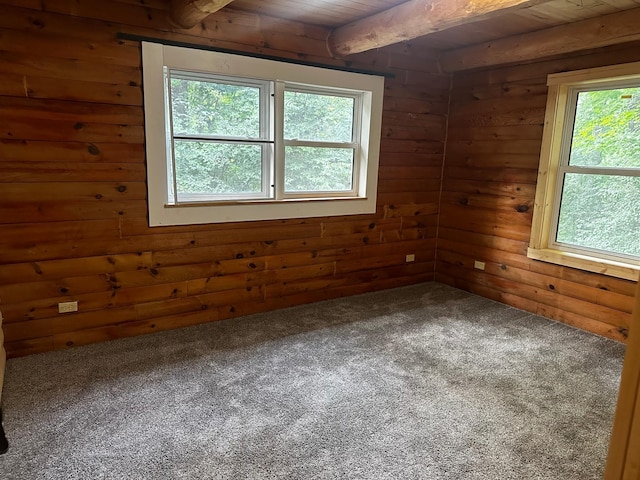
[601, 212]
[606, 130]
[214, 108]
[206, 170]
[313, 169]
[320, 118]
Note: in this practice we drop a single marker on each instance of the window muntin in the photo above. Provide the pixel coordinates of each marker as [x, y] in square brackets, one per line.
[202, 203]
[596, 211]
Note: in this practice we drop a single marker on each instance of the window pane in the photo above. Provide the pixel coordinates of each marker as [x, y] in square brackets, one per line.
[214, 108]
[320, 118]
[602, 212]
[315, 169]
[606, 131]
[207, 169]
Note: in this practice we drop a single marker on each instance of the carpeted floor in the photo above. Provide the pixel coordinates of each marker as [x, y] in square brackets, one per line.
[421, 382]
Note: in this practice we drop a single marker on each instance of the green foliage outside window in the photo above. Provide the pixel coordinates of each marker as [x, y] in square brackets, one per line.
[318, 118]
[217, 168]
[229, 159]
[214, 108]
[603, 211]
[221, 110]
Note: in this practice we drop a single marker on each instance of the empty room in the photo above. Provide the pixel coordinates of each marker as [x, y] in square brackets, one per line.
[387, 239]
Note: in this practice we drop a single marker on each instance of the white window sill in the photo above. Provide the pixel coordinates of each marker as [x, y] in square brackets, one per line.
[161, 214]
[611, 268]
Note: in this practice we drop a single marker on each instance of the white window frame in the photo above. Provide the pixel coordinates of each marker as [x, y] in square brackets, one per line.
[556, 144]
[265, 138]
[354, 144]
[369, 89]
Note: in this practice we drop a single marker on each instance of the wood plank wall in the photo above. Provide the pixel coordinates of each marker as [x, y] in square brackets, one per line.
[73, 214]
[489, 180]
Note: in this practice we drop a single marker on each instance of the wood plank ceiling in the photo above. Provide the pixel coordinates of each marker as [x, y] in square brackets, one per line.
[516, 18]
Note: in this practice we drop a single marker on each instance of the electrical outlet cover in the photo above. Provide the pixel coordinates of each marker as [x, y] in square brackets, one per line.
[67, 307]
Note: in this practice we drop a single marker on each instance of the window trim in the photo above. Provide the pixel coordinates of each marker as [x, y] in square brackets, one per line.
[157, 57]
[541, 247]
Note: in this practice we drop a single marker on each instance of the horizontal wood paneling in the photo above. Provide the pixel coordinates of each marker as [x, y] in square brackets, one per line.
[73, 215]
[489, 180]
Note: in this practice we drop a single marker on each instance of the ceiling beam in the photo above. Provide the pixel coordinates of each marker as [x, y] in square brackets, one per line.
[187, 13]
[615, 28]
[413, 19]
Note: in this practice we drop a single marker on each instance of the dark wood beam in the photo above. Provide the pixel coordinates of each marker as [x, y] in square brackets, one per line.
[413, 19]
[619, 27]
[187, 13]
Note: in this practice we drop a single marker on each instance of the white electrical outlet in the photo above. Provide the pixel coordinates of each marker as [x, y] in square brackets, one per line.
[410, 258]
[66, 307]
[479, 265]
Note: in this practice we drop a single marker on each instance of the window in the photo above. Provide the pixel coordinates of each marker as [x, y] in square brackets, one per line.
[587, 211]
[235, 138]
[321, 141]
[220, 139]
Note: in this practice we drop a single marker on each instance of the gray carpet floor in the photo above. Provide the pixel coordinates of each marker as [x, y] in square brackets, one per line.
[421, 382]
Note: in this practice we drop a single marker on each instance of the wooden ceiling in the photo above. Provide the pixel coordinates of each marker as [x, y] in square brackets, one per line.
[336, 13]
[539, 17]
[326, 13]
[468, 33]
